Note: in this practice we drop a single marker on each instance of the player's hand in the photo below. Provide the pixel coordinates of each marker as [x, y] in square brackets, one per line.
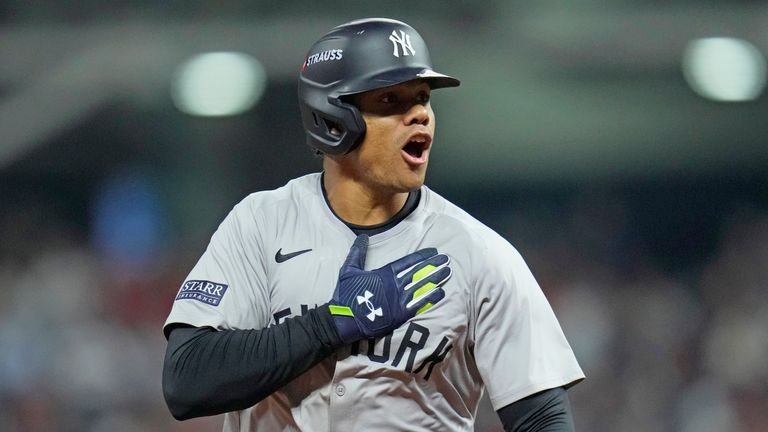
[373, 303]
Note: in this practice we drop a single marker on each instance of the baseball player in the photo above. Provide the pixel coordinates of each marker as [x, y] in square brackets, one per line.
[357, 299]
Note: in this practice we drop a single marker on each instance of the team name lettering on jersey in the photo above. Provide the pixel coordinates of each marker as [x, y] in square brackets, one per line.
[405, 354]
[415, 340]
[203, 291]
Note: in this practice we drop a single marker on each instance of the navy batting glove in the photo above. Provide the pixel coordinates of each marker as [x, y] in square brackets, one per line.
[369, 304]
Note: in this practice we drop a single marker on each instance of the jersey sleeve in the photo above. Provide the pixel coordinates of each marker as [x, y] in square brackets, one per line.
[227, 288]
[518, 345]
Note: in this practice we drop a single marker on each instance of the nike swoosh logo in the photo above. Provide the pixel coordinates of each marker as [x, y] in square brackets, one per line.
[279, 257]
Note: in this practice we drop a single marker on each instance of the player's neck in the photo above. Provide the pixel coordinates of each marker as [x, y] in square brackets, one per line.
[357, 203]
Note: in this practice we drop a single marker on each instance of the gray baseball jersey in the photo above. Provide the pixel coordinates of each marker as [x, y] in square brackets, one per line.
[278, 253]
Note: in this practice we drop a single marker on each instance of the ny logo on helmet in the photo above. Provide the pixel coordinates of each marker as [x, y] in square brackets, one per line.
[367, 300]
[404, 40]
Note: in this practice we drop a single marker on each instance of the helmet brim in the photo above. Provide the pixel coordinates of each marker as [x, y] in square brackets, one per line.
[402, 75]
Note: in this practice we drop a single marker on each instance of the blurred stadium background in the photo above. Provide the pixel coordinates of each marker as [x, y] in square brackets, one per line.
[621, 146]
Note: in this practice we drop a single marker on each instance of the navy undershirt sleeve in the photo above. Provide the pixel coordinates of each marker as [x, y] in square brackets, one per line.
[208, 372]
[547, 411]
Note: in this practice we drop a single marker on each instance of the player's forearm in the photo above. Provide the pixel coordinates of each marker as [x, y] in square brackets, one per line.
[209, 372]
[547, 411]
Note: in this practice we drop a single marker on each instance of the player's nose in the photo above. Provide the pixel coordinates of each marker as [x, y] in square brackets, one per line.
[417, 114]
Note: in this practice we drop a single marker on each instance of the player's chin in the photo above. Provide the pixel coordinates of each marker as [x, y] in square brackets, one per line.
[413, 180]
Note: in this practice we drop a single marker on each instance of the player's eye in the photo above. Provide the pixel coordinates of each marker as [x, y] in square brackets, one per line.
[389, 98]
[423, 97]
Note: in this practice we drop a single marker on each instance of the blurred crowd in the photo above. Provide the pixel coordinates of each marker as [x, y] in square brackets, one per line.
[665, 348]
[681, 349]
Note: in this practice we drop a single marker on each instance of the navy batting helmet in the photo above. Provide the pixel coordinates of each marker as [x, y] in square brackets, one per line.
[353, 58]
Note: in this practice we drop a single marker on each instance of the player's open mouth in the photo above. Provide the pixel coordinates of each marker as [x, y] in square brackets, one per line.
[416, 149]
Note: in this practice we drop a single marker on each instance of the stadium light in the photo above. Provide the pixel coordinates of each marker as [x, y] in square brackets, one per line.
[218, 84]
[724, 69]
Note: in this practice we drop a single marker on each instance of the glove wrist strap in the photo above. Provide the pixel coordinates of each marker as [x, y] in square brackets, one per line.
[345, 323]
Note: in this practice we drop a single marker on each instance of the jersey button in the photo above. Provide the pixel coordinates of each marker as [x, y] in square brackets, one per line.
[340, 389]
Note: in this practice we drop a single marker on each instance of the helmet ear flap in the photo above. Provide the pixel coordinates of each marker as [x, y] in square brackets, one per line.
[337, 128]
[334, 131]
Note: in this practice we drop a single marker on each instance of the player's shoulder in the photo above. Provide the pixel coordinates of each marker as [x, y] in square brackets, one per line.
[487, 254]
[264, 209]
[296, 191]
[449, 217]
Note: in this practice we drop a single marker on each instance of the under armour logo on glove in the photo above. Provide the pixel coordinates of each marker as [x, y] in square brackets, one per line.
[402, 289]
[367, 300]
